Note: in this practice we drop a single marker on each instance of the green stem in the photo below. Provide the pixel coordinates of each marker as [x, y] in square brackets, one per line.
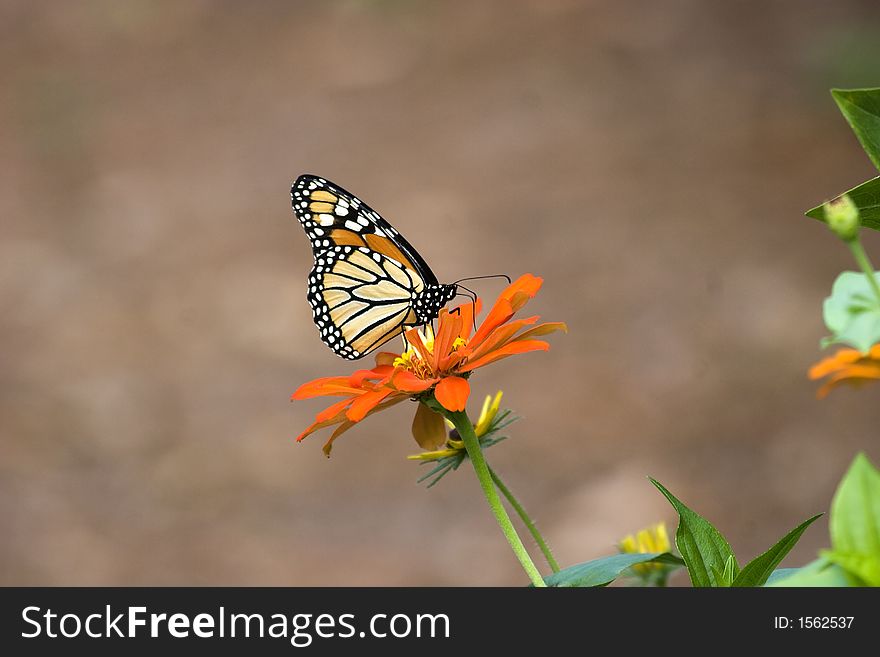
[472, 444]
[533, 530]
[861, 257]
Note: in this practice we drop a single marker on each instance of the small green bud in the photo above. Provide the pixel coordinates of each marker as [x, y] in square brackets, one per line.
[842, 216]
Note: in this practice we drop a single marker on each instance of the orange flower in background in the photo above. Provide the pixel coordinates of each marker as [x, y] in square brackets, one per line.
[439, 363]
[847, 366]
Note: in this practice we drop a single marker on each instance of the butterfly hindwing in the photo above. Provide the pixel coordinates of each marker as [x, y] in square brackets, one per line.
[360, 299]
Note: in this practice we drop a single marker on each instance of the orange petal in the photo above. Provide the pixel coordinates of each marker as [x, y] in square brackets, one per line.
[543, 329]
[312, 428]
[333, 410]
[415, 341]
[448, 329]
[378, 373]
[869, 370]
[329, 385]
[365, 403]
[467, 313]
[428, 428]
[348, 424]
[386, 358]
[854, 375]
[499, 337]
[521, 290]
[341, 429]
[452, 393]
[333, 414]
[843, 358]
[511, 348]
[406, 381]
[500, 313]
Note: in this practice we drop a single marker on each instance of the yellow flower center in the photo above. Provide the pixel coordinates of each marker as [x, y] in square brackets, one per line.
[412, 361]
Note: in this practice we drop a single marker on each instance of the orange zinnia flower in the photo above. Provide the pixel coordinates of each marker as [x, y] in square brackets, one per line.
[847, 366]
[439, 364]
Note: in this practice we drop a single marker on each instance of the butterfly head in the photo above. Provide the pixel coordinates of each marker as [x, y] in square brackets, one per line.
[427, 305]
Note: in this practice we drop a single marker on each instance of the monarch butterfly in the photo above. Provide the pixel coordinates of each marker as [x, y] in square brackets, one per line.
[368, 283]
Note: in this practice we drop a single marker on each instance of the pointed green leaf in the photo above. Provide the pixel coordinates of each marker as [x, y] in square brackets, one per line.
[855, 509]
[703, 548]
[861, 108]
[759, 569]
[855, 521]
[817, 573]
[727, 576]
[867, 199]
[603, 571]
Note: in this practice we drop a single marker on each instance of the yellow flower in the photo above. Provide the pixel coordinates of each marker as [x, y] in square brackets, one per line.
[651, 539]
[490, 410]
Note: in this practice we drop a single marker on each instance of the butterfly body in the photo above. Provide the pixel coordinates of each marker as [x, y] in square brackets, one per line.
[368, 284]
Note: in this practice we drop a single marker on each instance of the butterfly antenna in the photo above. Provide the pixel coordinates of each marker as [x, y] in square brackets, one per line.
[480, 278]
[473, 297]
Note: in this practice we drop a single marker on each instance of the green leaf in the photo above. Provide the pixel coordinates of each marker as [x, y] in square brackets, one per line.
[855, 521]
[865, 566]
[759, 570]
[726, 577]
[603, 571]
[703, 548]
[852, 312]
[861, 108]
[817, 573]
[867, 199]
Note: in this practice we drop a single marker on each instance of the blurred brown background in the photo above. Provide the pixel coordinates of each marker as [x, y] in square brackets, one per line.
[651, 160]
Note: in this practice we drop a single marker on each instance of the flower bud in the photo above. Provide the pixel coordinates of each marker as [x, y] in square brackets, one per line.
[842, 217]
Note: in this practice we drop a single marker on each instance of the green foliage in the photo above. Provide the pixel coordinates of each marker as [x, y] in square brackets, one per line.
[731, 570]
[854, 558]
[603, 571]
[855, 522]
[817, 573]
[852, 312]
[759, 570]
[708, 557]
[866, 198]
[703, 548]
[861, 108]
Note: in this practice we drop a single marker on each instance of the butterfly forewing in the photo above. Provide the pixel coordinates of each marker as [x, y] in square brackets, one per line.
[332, 216]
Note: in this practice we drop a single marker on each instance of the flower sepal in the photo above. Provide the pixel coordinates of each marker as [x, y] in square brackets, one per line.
[491, 421]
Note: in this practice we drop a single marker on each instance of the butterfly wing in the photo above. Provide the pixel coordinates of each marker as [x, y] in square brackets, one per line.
[360, 300]
[366, 275]
[332, 216]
